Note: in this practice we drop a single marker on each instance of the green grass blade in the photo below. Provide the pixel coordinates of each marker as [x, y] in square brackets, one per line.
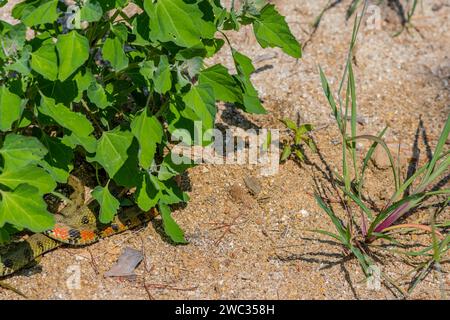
[354, 115]
[336, 221]
[361, 204]
[352, 8]
[330, 234]
[329, 95]
[437, 153]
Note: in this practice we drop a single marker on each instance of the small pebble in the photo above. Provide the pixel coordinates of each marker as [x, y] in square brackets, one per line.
[304, 213]
[253, 185]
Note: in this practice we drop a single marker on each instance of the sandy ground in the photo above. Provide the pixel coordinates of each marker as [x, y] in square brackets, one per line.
[269, 254]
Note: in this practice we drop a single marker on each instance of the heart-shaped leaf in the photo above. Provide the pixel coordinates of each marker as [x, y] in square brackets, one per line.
[11, 107]
[24, 207]
[109, 205]
[114, 53]
[45, 62]
[271, 30]
[74, 121]
[178, 22]
[112, 148]
[148, 131]
[170, 226]
[18, 151]
[30, 174]
[73, 51]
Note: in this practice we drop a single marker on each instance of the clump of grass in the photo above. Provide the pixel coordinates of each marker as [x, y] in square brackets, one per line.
[358, 233]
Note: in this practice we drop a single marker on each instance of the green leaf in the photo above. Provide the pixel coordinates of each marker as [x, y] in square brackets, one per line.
[252, 104]
[289, 124]
[74, 121]
[109, 205]
[30, 174]
[21, 65]
[73, 51]
[18, 151]
[179, 22]
[162, 77]
[170, 169]
[171, 193]
[45, 13]
[97, 94]
[11, 107]
[112, 4]
[170, 226]
[91, 11]
[72, 140]
[213, 46]
[148, 131]
[287, 151]
[201, 105]
[129, 174]
[245, 68]
[147, 193]
[83, 80]
[113, 51]
[120, 30]
[305, 128]
[59, 159]
[300, 155]
[112, 149]
[13, 38]
[5, 238]
[24, 207]
[225, 88]
[45, 62]
[271, 30]
[147, 69]
[243, 63]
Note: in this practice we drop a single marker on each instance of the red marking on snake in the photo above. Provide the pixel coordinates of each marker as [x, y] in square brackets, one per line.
[87, 235]
[61, 233]
[108, 231]
[121, 226]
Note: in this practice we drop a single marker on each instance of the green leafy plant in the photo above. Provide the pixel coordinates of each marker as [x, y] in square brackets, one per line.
[95, 85]
[298, 136]
[358, 232]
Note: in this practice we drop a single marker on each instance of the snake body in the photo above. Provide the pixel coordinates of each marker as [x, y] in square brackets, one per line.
[76, 225]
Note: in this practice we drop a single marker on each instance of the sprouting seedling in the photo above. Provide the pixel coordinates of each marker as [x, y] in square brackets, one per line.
[299, 135]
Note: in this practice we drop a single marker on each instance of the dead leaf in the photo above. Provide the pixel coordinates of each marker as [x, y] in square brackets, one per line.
[126, 264]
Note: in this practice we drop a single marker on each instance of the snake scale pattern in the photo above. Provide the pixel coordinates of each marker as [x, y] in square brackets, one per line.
[76, 225]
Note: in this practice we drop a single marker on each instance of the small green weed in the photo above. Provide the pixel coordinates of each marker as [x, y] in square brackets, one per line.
[298, 136]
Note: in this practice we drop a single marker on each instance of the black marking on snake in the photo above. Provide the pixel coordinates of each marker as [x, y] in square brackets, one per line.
[142, 217]
[128, 222]
[40, 245]
[85, 220]
[74, 234]
[115, 227]
[28, 253]
[8, 263]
